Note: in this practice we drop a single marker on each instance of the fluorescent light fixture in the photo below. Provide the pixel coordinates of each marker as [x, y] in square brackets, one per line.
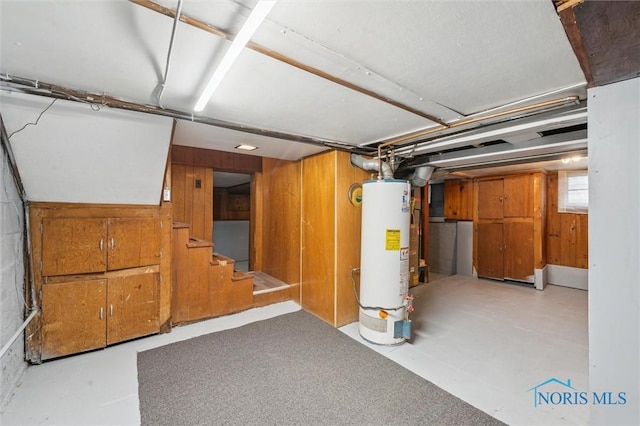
[239, 42]
[245, 147]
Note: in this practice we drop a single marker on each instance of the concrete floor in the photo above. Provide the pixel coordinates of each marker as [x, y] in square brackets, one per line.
[485, 342]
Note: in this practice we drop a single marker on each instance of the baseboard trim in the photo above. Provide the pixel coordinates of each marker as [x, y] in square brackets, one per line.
[567, 276]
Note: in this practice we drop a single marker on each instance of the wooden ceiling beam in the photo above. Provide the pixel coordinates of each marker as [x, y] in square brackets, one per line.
[568, 19]
[285, 59]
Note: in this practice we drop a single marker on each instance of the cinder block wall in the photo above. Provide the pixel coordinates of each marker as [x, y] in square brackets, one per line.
[12, 364]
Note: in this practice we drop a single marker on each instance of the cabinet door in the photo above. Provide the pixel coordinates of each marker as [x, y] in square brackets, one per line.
[133, 308]
[73, 246]
[490, 250]
[518, 259]
[518, 196]
[73, 317]
[133, 242]
[490, 196]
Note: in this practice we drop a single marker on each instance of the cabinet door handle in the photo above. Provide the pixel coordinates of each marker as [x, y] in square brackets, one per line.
[113, 243]
[505, 196]
[101, 313]
[500, 198]
[100, 245]
[111, 310]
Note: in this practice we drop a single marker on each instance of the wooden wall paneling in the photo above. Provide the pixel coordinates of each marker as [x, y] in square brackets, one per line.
[490, 240]
[519, 249]
[458, 198]
[518, 196]
[220, 289]
[164, 295]
[220, 160]
[133, 308]
[256, 228]
[208, 205]
[73, 317]
[538, 185]
[465, 211]
[318, 235]
[178, 193]
[33, 336]
[425, 231]
[582, 241]
[282, 227]
[568, 239]
[349, 224]
[553, 220]
[200, 298]
[199, 195]
[451, 199]
[180, 276]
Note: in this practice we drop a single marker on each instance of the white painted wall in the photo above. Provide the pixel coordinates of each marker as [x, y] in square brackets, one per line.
[12, 364]
[79, 155]
[614, 249]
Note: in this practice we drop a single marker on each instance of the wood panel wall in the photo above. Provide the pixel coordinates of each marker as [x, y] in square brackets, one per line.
[318, 235]
[330, 236]
[219, 160]
[281, 198]
[348, 233]
[192, 202]
[567, 237]
[228, 206]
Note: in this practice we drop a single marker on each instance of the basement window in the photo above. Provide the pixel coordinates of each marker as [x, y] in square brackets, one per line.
[573, 191]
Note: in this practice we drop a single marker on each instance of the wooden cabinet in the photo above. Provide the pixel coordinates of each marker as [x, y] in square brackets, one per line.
[505, 197]
[78, 246]
[96, 276]
[458, 200]
[508, 224]
[79, 316]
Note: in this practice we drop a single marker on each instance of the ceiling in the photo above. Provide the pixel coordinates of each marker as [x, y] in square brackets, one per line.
[318, 74]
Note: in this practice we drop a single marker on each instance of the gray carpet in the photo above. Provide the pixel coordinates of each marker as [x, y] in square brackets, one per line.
[293, 369]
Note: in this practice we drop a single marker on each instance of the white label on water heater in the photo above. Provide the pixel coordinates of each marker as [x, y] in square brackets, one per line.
[405, 201]
[404, 271]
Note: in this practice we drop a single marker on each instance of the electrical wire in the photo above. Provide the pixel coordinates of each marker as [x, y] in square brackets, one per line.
[35, 123]
[369, 308]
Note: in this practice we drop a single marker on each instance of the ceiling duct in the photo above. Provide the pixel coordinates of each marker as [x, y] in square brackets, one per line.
[383, 169]
[421, 176]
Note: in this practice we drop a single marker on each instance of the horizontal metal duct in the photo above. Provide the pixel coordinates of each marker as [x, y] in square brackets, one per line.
[537, 148]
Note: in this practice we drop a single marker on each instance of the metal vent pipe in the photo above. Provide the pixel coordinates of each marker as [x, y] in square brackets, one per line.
[383, 169]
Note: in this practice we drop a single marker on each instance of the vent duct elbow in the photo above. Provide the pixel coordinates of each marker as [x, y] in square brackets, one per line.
[385, 171]
[421, 175]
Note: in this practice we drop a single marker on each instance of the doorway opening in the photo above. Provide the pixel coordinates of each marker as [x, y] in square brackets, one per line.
[232, 216]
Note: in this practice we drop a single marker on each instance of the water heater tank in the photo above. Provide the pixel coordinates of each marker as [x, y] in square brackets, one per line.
[384, 259]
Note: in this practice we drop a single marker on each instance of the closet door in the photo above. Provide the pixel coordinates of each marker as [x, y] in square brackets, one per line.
[518, 252]
[490, 250]
[518, 196]
[490, 199]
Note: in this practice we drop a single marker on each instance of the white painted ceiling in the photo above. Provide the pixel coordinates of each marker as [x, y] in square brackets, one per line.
[448, 59]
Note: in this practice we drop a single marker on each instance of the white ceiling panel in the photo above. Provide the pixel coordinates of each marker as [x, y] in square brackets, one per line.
[446, 59]
[204, 136]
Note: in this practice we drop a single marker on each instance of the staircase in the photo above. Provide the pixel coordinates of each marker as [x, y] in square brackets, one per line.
[205, 284]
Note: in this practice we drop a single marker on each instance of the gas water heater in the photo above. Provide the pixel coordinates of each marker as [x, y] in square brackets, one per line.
[384, 261]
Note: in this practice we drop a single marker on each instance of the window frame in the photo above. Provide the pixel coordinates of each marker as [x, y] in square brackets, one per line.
[564, 206]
